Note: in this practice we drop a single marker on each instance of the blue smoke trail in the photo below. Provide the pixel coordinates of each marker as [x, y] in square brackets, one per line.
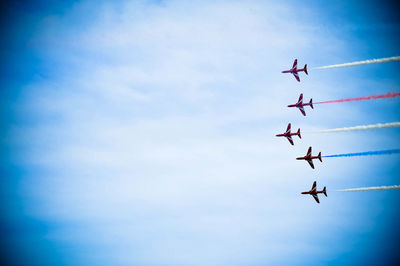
[383, 152]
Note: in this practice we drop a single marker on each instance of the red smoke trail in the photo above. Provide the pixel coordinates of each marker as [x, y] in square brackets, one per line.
[365, 98]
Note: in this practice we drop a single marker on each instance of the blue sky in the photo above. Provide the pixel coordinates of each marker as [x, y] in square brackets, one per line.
[142, 133]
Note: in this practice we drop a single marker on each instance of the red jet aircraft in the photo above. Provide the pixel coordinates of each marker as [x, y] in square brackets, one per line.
[309, 158]
[289, 135]
[314, 192]
[294, 70]
[301, 105]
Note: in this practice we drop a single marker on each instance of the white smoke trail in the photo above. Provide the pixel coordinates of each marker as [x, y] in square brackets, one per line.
[370, 188]
[365, 127]
[365, 62]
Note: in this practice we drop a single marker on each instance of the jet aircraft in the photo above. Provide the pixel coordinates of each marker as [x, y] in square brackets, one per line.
[314, 192]
[289, 135]
[295, 71]
[309, 158]
[301, 105]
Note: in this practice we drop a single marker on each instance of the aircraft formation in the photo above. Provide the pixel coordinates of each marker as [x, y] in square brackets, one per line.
[288, 134]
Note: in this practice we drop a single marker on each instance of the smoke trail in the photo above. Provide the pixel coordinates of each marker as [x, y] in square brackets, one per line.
[367, 127]
[383, 152]
[364, 98]
[366, 62]
[370, 188]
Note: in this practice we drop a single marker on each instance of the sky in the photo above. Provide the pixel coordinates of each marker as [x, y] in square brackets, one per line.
[143, 133]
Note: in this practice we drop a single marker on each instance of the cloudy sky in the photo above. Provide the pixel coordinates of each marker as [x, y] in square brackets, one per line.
[142, 133]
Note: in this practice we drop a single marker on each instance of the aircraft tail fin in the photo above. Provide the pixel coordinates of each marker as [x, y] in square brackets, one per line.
[311, 104]
[324, 191]
[298, 133]
[319, 156]
[305, 69]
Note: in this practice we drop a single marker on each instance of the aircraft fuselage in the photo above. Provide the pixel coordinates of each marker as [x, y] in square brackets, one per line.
[298, 105]
[287, 134]
[293, 70]
[313, 192]
[308, 158]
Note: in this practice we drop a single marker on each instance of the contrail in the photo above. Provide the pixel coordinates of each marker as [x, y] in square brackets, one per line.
[370, 188]
[364, 98]
[366, 127]
[365, 62]
[382, 152]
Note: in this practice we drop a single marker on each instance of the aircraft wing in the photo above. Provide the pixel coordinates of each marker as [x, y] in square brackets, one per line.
[288, 128]
[294, 64]
[296, 76]
[311, 163]
[315, 196]
[314, 186]
[301, 108]
[300, 101]
[309, 151]
[289, 138]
